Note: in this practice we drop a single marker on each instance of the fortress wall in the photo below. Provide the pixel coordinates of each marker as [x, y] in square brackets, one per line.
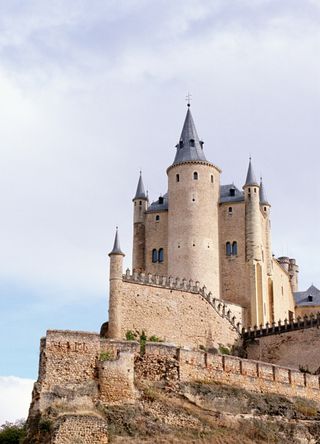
[305, 310]
[293, 349]
[234, 273]
[282, 293]
[175, 316]
[156, 237]
[84, 429]
[247, 374]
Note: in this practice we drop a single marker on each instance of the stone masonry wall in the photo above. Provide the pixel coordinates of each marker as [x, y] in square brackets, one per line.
[80, 429]
[294, 349]
[176, 316]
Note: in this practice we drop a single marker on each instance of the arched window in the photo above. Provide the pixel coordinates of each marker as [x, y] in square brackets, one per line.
[195, 176]
[211, 178]
[154, 255]
[157, 217]
[228, 249]
[177, 178]
[160, 257]
[234, 249]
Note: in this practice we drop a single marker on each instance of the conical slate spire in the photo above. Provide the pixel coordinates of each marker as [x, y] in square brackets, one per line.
[140, 193]
[251, 178]
[116, 246]
[189, 147]
[262, 194]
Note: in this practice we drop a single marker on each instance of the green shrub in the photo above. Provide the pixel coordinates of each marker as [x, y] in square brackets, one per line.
[224, 350]
[154, 338]
[131, 336]
[105, 356]
[12, 433]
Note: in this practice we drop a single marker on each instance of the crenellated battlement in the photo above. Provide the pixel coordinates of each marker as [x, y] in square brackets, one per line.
[223, 308]
[300, 323]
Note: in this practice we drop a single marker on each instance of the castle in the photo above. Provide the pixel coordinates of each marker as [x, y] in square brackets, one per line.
[204, 285]
[213, 234]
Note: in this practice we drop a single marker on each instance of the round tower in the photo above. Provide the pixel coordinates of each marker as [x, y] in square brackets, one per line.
[193, 196]
[293, 273]
[253, 217]
[265, 209]
[116, 271]
[140, 203]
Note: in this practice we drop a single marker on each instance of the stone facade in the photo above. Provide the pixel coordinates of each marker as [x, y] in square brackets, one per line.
[195, 225]
[175, 311]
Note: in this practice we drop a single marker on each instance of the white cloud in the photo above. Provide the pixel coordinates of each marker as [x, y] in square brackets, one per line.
[15, 398]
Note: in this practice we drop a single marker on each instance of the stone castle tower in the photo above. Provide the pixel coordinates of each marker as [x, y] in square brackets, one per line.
[215, 234]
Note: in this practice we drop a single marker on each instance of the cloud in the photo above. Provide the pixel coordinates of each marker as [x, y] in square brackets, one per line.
[15, 398]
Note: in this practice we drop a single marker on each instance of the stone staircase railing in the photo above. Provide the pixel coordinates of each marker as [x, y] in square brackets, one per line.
[220, 306]
[279, 327]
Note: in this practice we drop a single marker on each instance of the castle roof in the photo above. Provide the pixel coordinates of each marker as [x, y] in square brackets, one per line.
[230, 193]
[262, 194]
[159, 205]
[140, 193]
[116, 246]
[190, 147]
[251, 178]
[308, 298]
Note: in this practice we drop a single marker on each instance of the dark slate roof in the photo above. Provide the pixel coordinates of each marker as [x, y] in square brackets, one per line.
[251, 178]
[226, 194]
[140, 193]
[116, 246]
[302, 297]
[262, 194]
[190, 146]
[158, 206]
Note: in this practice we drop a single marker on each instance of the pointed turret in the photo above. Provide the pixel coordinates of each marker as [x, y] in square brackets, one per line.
[251, 178]
[262, 194]
[190, 147]
[116, 246]
[140, 193]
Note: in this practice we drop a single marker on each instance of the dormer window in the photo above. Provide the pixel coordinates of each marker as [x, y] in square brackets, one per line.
[192, 143]
[201, 144]
[310, 298]
[181, 144]
[161, 200]
[232, 192]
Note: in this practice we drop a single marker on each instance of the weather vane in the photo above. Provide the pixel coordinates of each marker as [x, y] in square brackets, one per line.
[188, 99]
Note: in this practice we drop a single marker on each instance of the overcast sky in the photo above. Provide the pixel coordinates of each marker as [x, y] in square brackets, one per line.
[92, 91]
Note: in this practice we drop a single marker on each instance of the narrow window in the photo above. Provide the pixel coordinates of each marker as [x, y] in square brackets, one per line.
[249, 190]
[154, 255]
[135, 203]
[192, 142]
[230, 210]
[140, 202]
[160, 255]
[265, 208]
[255, 190]
[195, 176]
[177, 178]
[157, 217]
[234, 249]
[211, 178]
[228, 249]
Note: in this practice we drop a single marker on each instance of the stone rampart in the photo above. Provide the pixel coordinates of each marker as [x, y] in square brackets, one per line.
[176, 310]
[280, 327]
[84, 429]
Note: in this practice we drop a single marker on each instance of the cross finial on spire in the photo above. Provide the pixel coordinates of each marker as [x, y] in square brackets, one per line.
[188, 99]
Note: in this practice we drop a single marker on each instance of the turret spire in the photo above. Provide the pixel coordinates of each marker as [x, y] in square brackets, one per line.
[262, 194]
[140, 193]
[251, 178]
[190, 147]
[116, 246]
